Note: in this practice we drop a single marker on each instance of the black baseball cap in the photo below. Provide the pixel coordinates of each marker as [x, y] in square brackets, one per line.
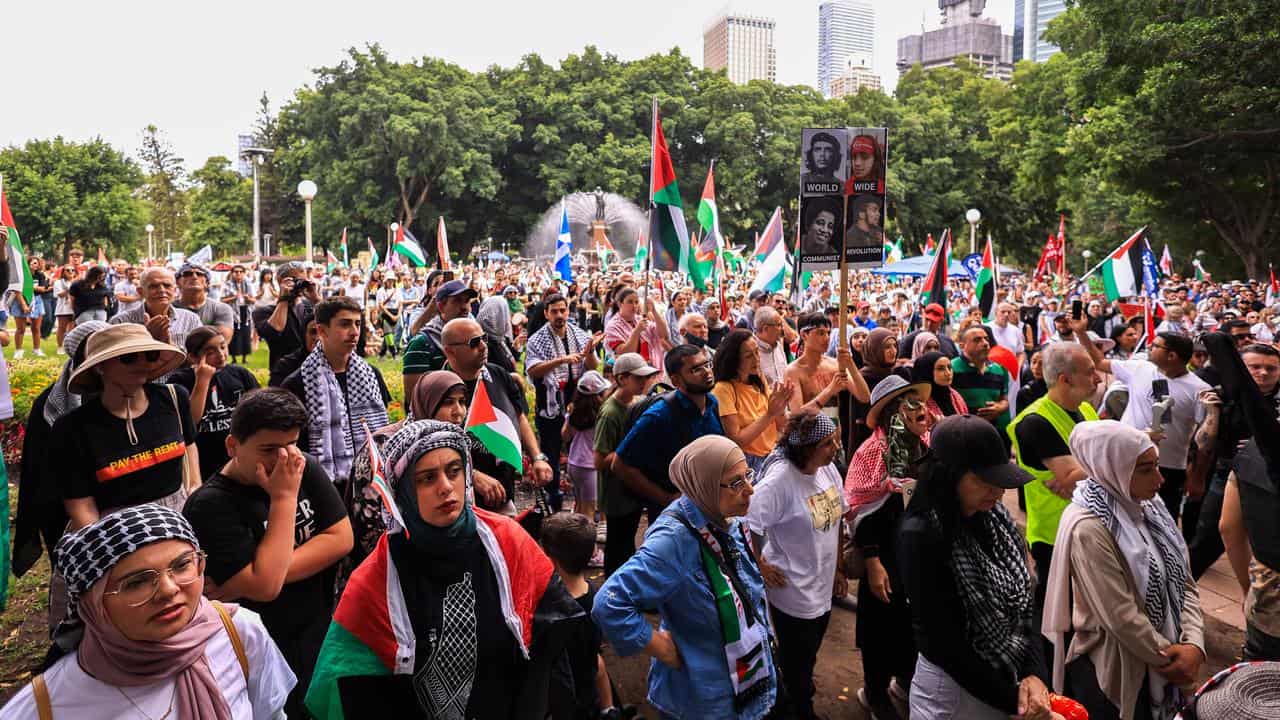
[967, 442]
[453, 288]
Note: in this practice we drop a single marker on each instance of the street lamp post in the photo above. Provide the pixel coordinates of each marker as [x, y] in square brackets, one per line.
[1088, 256]
[266, 244]
[256, 157]
[151, 246]
[973, 216]
[307, 191]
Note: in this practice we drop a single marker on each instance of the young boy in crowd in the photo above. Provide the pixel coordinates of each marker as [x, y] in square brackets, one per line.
[569, 539]
[273, 527]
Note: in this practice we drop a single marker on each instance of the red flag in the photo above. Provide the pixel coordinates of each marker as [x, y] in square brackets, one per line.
[1062, 245]
[1273, 289]
[1051, 259]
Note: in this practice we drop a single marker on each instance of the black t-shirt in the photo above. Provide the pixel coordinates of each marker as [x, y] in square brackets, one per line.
[85, 298]
[225, 389]
[294, 384]
[1039, 441]
[95, 457]
[230, 520]
[509, 387]
[499, 667]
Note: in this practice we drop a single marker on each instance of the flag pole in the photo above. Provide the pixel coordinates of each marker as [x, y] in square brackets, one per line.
[844, 283]
[1094, 269]
[653, 169]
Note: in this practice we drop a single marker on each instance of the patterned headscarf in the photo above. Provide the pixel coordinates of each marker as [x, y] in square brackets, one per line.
[400, 453]
[85, 558]
[87, 555]
[812, 432]
[61, 400]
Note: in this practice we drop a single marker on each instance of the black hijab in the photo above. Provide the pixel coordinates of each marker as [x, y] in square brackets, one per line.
[922, 371]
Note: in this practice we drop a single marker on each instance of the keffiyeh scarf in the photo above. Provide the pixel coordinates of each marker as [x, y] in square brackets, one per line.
[337, 421]
[989, 561]
[545, 345]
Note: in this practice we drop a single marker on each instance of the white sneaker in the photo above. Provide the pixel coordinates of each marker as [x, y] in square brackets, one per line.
[61, 351]
[39, 353]
[17, 354]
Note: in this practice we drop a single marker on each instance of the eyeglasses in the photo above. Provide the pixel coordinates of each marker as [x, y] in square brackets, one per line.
[130, 358]
[700, 367]
[736, 485]
[474, 343]
[139, 588]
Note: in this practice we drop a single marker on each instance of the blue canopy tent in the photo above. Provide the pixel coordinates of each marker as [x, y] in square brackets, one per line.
[496, 256]
[919, 267]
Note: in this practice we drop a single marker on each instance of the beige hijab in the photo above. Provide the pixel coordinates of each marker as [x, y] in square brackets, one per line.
[697, 469]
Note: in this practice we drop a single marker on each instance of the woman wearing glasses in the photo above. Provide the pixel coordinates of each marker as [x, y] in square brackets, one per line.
[131, 441]
[795, 524]
[711, 651]
[881, 476]
[142, 641]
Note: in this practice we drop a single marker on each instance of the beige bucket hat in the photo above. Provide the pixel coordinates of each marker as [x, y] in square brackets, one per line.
[117, 341]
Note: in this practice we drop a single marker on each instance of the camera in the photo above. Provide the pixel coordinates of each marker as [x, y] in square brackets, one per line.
[300, 288]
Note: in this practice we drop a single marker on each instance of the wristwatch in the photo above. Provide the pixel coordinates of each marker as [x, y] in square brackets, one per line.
[543, 457]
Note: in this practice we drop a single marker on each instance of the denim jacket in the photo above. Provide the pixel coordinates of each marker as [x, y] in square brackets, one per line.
[666, 574]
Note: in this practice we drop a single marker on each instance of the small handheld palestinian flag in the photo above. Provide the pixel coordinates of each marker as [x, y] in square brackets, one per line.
[380, 486]
[987, 290]
[489, 420]
[935, 283]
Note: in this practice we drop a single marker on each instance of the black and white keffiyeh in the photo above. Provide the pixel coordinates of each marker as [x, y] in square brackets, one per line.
[545, 345]
[989, 561]
[85, 556]
[336, 421]
[812, 431]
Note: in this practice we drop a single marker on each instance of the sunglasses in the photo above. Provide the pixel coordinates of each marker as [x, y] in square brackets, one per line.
[130, 358]
[188, 273]
[474, 343]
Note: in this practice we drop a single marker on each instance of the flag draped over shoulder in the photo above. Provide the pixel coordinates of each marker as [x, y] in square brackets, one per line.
[564, 246]
[986, 289]
[1130, 269]
[703, 265]
[668, 234]
[934, 289]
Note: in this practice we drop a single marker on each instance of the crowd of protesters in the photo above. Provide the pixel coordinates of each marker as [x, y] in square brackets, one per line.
[226, 550]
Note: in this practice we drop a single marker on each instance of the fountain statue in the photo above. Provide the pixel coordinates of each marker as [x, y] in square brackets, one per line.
[595, 218]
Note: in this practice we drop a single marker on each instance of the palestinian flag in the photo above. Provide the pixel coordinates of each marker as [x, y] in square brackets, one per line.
[704, 260]
[1273, 288]
[642, 255]
[1012, 364]
[772, 274]
[1201, 275]
[407, 245]
[442, 247]
[331, 260]
[935, 283]
[771, 236]
[373, 254]
[371, 634]
[1123, 270]
[987, 288]
[20, 280]
[929, 246]
[668, 235]
[489, 420]
[382, 487]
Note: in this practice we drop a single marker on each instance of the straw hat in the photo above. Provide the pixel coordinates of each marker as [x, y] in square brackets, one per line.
[889, 389]
[1246, 691]
[118, 340]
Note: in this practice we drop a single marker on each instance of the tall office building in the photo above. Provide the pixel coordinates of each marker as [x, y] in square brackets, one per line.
[743, 46]
[1032, 18]
[855, 77]
[964, 34]
[846, 32]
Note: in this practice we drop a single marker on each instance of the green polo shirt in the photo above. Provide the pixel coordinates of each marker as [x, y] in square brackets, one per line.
[979, 387]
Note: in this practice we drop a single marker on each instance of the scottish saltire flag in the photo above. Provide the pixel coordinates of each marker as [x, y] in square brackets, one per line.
[564, 246]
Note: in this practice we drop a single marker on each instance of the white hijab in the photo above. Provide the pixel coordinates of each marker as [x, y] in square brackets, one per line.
[1108, 451]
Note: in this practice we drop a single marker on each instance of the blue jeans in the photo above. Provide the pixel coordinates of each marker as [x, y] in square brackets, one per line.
[87, 315]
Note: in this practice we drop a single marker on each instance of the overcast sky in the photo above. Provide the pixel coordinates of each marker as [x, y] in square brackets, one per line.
[197, 69]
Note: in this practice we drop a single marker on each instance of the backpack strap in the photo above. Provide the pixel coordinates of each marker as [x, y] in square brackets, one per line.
[44, 706]
[234, 635]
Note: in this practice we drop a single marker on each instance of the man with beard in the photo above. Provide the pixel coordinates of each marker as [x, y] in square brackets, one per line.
[425, 352]
[822, 161]
[866, 230]
[555, 358]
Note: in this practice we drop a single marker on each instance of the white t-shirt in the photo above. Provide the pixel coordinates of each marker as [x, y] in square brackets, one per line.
[76, 694]
[1009, 337]
[1187, 411]
[124, 287]
[800, 517]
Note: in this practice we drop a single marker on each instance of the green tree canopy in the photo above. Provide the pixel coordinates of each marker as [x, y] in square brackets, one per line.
[221, 209]
[64, 194]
